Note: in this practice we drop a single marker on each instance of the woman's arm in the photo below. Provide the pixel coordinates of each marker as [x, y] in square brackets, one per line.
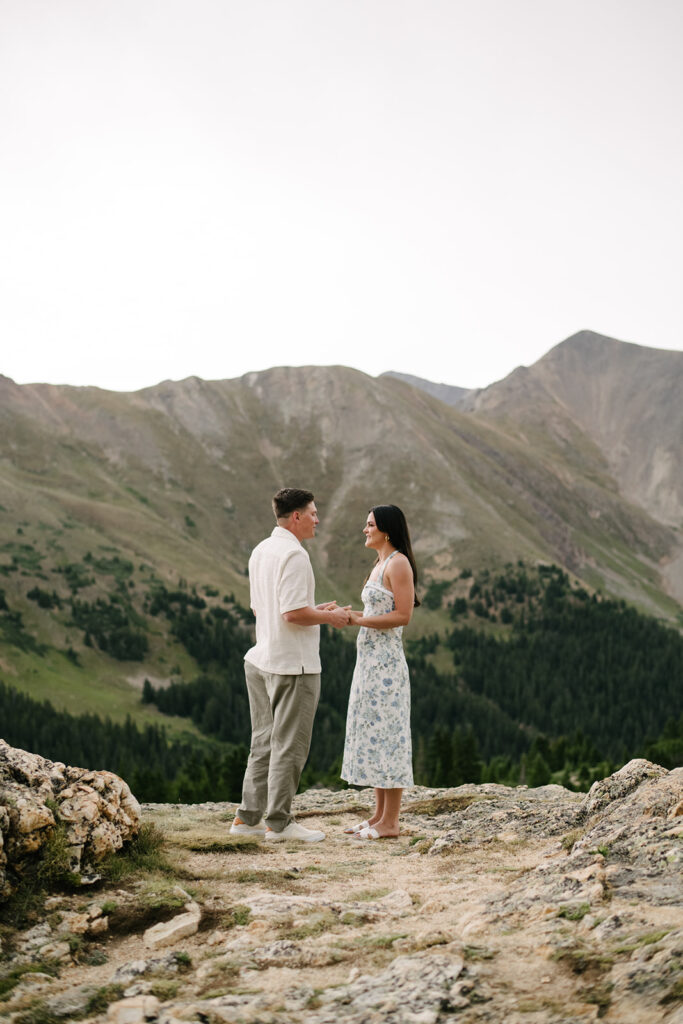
[400, 582]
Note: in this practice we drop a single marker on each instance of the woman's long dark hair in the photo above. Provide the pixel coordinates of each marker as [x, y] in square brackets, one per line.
[390, 520]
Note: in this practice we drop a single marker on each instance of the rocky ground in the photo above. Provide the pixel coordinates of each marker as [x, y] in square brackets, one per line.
[494, 905]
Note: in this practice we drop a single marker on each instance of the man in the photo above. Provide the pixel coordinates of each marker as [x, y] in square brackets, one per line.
[283, 670]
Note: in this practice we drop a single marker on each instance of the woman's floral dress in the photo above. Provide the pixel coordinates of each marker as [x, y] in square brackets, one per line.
[378, 749]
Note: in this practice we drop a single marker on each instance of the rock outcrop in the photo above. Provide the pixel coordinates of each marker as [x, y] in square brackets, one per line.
[97, 809]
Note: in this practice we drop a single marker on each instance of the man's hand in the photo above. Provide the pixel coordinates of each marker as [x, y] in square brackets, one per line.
[339, 617]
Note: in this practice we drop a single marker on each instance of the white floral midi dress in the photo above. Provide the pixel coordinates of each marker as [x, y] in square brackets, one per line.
[378, 749]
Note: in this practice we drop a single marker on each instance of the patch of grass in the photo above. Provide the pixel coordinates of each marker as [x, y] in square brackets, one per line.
[95, 959]
[674, 995]
[16, 975]
[372, 941]
[75, 944]
[643, 940]
[237, 845]
[368, 895]
[38, 1013]
[223, 973]
[164, 990]
[531, 1006]
[316, 925]
[444, 804]
[352, 919]
[162, 896]
[240, 915]
[100, 1000]
[421, 844]
[570, 838]
[362, 810]
[575, 913]
[154, 904]
[48, 870]
[143, 855]
[600, 995]
[213, 917]
[478, 953]
[273, 880]
[583, 961]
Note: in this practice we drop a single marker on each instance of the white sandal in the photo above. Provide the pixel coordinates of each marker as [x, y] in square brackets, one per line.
[367, 833]
[371, 833]
[356, 828]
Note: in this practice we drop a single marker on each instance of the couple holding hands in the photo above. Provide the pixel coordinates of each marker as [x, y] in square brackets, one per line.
[283, 673]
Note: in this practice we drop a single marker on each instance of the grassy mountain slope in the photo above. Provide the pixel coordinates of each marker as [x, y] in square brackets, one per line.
[176, 480]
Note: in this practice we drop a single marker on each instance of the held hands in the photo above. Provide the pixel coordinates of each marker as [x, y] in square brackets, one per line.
[339, 617]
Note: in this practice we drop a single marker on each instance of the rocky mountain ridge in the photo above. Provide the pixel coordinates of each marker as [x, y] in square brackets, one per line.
[625, 397]
[187, 469]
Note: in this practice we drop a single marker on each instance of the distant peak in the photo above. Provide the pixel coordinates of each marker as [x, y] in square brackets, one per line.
[590, 343]
[586, 337]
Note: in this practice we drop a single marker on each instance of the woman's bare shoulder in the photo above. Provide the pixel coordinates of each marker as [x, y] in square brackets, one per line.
[398, 564]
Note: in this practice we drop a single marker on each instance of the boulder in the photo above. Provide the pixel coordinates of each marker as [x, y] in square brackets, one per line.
[179, 927]
[134, 1011]
[97, 808]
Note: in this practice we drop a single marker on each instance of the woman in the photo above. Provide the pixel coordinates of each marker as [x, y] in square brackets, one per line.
[378, 750]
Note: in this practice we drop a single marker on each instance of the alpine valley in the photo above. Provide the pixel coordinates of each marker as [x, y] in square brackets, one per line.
[126, 522]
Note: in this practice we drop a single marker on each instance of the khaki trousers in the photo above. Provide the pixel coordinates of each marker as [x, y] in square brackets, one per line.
[282, 710]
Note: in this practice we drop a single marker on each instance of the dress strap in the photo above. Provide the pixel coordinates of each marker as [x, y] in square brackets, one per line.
[384, 565]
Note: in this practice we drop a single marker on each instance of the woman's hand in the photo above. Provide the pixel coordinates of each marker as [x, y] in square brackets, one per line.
[354, 617]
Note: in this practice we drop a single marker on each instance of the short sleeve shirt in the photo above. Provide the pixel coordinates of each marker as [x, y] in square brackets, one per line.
[281, 580]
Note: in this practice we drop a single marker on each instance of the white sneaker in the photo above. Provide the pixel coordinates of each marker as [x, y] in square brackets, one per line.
[240, 828]
[294, 831]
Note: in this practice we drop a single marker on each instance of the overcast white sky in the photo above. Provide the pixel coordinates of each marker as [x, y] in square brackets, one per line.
[442, 187]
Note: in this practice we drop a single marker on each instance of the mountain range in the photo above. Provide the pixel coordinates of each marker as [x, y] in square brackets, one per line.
[575, 460]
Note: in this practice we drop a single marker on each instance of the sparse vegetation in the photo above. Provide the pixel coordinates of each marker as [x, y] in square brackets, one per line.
[315, 925]
[47, 870]
[39, 1013]
[144, 855]
[574, 913]
[100, 1000]
[15, 975]
[368, 895]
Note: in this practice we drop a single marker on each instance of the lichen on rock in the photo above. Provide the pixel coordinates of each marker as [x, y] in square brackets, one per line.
[96, 808]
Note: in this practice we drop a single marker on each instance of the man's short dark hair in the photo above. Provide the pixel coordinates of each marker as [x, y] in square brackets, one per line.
[289, 499]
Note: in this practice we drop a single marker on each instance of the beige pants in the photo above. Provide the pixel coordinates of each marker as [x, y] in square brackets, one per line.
[282, 710]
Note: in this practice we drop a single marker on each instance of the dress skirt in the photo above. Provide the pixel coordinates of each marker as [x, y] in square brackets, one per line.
[378, 749]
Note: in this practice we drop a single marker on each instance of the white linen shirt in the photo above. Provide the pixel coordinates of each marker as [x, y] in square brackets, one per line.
[281, 580]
